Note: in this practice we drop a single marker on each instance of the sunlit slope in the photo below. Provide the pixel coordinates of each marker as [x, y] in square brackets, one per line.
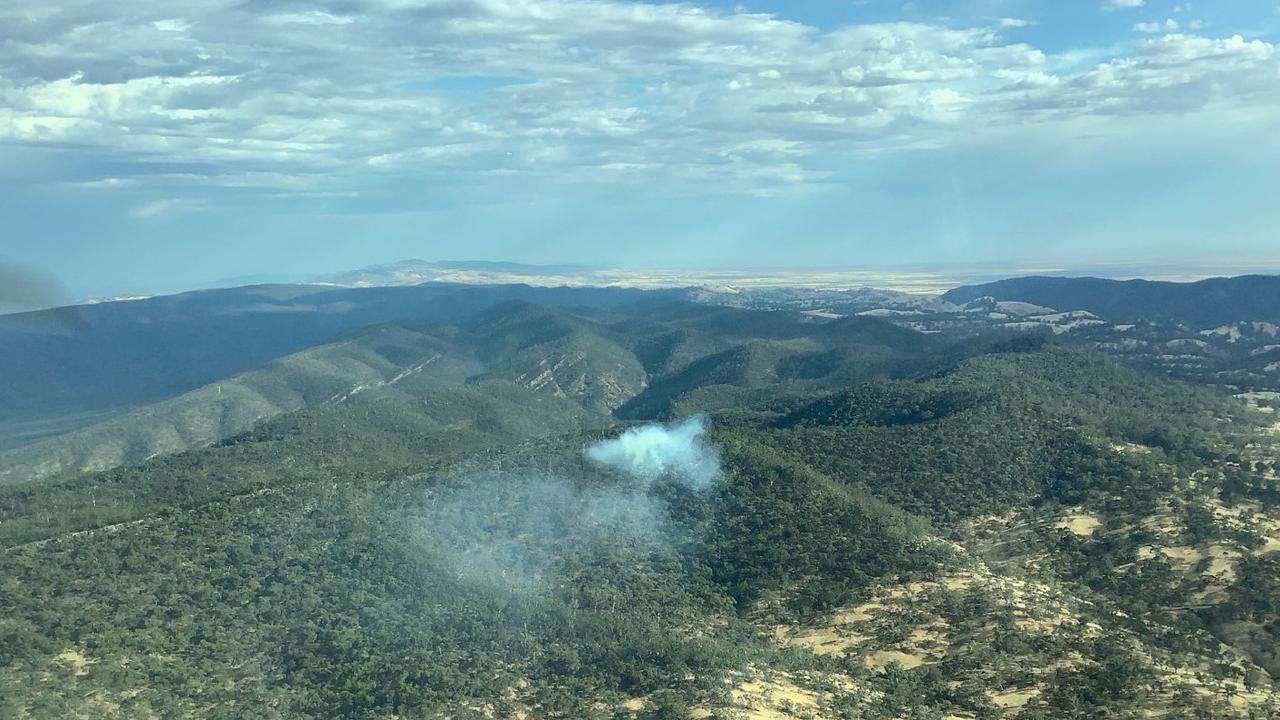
[1122, 532]
[374, 436]
[792, 354]
[544, 350]
[553, 352]
[584, 354]
[332, 373]
[70, 366]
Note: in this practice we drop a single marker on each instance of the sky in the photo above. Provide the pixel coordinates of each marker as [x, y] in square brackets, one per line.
[154, 147]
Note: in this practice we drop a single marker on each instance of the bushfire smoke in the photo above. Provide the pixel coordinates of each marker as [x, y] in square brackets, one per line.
[646, 453]
[510, 528]
[24, 288]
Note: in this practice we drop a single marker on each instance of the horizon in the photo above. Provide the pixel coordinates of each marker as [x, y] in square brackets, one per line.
[27, 289]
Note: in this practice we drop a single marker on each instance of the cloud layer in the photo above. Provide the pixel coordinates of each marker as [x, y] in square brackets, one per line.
[361, 96]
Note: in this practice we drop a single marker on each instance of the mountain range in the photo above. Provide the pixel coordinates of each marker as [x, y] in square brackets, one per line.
[70, 366]
[507, 501]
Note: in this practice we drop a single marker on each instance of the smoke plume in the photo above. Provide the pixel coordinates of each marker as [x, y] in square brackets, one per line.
[509, 528]
[647, 453]
[26, 288]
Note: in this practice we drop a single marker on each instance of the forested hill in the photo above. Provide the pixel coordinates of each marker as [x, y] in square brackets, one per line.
[1203, 304]
[644, 352]
[656, 510]
[71, 366]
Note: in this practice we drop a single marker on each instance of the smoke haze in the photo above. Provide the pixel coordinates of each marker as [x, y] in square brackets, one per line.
[25, 288]
[508, 529]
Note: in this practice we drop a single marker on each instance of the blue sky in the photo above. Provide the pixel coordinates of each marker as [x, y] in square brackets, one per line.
[149, 147]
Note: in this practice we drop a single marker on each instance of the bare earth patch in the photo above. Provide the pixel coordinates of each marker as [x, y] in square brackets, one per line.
[781, 696]
[1014, 699]
[76, 661]
[1079, 523]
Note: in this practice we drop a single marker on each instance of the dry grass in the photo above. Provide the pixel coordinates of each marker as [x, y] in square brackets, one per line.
[1079, 523]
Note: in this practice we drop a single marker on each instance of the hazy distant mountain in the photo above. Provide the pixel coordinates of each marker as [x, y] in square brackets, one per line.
[1203, 304]
[854, 286]
[414, 272]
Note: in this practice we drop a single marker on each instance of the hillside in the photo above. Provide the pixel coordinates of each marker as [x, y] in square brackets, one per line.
[591, 355]
[868, 522]
[68, 367]
[373, 360]
[1203, 304]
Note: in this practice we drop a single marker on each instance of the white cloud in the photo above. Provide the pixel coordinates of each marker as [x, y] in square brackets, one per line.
[71, 97]
[1169, 25]
[171, 25]
[1121, 4]
[1013, 22]
[311, 17]
[153, 208]
[107, 183]
[1172, 74]
[390, 93]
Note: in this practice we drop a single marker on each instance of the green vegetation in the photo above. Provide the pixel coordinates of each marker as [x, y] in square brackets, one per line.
[904, 526]
[1202, 304]
[329, 373]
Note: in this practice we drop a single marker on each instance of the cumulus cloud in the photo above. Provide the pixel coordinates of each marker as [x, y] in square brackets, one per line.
[1176, 73]
[647, 453]
[1169, 25]
[371, 95]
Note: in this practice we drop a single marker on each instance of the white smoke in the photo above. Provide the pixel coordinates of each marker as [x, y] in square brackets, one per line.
[507, 527]
[507, 530]
[648, 453]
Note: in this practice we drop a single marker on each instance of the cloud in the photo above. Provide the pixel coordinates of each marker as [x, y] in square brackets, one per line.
[153, 208]
[368, 97]
[1169, 25]
[1121, 4]
[651, 452]
[1013, 22]
[1178, 73]
[312, 17]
